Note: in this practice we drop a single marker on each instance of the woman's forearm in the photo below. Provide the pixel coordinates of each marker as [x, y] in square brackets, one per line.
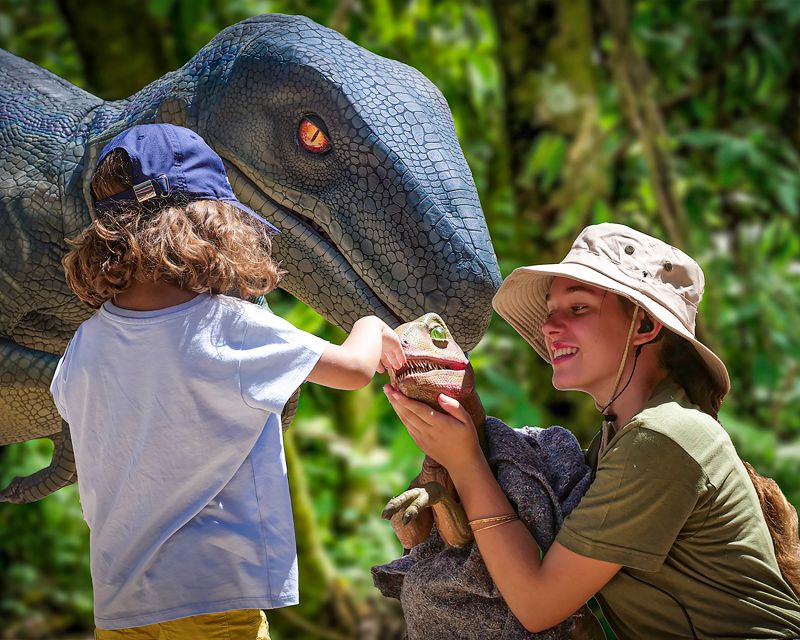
[540, 593]
[509, 551]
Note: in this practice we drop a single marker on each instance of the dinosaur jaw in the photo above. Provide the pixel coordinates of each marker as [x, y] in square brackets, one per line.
[425, 379]
[302, 235]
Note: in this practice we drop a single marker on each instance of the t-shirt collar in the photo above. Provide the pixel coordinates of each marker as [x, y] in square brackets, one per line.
[113, 311]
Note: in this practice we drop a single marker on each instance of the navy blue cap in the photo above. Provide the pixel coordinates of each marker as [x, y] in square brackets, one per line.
[171, 165]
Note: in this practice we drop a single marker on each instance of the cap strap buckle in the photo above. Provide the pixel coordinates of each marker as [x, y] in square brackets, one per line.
[147, 189]
[144, 190]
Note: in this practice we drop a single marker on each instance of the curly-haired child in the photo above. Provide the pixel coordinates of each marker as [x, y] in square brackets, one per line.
[173, 392]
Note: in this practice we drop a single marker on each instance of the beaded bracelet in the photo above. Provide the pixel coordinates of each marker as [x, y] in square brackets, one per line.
[481, 524]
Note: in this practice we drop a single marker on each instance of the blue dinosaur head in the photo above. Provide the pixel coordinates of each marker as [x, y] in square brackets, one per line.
[355, 158]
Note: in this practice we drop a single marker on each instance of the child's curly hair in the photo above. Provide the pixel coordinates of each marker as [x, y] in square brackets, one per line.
[202, 245]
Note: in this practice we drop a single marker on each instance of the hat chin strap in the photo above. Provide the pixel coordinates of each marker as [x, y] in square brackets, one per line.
[610, 418]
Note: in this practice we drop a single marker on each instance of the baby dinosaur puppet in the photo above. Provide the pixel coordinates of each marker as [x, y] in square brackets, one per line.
[434, 364]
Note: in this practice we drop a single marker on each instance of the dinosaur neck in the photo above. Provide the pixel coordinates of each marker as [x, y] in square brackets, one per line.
[168, 99]
[187, 96]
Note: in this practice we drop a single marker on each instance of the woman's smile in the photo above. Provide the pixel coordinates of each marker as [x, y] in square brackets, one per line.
[562, 352]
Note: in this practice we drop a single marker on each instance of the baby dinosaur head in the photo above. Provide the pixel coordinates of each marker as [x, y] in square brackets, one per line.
[434, 363]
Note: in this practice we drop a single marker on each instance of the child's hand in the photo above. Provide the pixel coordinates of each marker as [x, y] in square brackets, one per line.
[371, 346]
[391, 350]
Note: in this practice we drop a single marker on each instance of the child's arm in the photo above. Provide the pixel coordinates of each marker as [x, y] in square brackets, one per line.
[371, 346]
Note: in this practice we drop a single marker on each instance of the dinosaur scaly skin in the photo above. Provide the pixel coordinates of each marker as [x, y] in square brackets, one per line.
[435, 364]
[385, 221]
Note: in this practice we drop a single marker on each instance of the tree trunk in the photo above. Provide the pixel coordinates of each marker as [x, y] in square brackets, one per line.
[545, 50]
[636, 88]
[524, 31]
[133, 53]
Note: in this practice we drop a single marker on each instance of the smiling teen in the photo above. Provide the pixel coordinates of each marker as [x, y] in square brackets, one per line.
[671, 536]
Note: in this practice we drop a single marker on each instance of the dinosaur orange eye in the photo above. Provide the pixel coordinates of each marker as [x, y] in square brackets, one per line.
[311, 136]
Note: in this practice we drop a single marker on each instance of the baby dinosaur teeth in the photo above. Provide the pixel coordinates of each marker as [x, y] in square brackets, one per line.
[419, 366]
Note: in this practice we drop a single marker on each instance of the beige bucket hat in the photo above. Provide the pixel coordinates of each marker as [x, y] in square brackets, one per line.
[661, 279]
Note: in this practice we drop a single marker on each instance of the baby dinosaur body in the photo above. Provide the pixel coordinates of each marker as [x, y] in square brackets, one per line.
[435, 364]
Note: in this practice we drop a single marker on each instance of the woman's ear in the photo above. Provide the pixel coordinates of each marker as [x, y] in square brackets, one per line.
[648, 331]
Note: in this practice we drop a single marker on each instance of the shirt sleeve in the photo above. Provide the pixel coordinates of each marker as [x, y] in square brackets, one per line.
[644, 491]
[56, 389]
[275, 358]
[59, 382]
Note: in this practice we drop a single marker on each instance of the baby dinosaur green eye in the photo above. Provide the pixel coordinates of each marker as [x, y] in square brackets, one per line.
[438, 332]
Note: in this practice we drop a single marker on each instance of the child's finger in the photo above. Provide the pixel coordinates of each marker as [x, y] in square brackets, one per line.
[397, 358]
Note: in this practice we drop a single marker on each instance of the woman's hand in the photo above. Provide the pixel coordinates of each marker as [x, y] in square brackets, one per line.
[448, 437]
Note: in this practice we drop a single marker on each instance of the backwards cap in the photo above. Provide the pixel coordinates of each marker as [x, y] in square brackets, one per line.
[171, 165]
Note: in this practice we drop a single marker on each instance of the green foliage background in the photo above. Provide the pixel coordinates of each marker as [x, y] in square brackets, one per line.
[680, 118]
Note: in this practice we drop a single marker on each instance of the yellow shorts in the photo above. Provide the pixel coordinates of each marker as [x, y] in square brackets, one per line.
[244, 624]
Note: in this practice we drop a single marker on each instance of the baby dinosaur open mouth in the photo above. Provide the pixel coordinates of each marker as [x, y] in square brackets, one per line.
[415, 366]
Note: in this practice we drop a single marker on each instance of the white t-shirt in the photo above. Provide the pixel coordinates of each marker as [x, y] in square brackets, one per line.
[175, 421]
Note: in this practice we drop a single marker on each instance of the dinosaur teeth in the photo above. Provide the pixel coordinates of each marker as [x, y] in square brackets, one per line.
[419, 366]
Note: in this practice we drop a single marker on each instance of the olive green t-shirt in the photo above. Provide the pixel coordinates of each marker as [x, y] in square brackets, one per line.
[673, 504]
